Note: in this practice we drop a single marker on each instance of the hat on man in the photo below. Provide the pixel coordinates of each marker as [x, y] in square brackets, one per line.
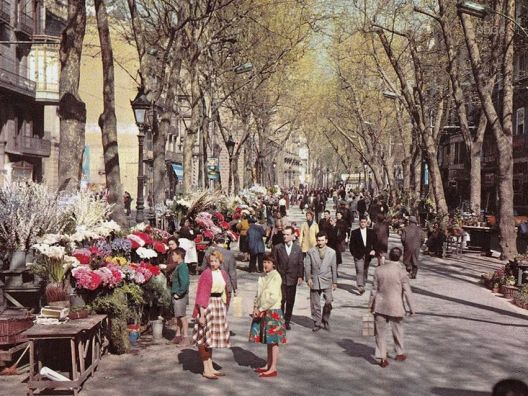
[412, 219]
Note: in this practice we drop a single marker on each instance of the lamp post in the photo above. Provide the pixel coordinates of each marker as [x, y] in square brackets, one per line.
[359, 177]
[243, 68]
[230, 144]
[365, 167]
[481, 11]
[327, 177]
[140, 105]
[274, 165]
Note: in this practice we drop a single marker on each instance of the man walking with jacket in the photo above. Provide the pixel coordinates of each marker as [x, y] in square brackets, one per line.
[390, 287]
[289, 259]
[321, 276]
[412, 238]
[362, 243]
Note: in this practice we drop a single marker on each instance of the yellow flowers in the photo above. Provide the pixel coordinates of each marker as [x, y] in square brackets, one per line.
[116, 260]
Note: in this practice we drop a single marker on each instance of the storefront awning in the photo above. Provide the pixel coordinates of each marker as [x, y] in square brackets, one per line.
[178, 170]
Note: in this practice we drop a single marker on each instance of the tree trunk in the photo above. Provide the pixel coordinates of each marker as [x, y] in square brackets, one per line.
[192, 130]
[501, 130]
[159, 140]
[505, 187]
[416, 173]
[435, 177]
[475, 177]
[108, 121]
[406, 170]
[159, 165]
[72, 110]
[235, 175]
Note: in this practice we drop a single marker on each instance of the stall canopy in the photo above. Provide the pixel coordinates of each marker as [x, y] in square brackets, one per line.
[178, 170]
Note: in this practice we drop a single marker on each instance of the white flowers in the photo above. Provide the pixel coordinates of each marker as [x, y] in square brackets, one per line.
[52, 252]
[184, 202]
[106, 228]
[139, 227]
[71, 262]
[146, 253]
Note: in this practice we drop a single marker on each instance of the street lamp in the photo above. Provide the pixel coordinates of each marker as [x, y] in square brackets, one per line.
[230, 144]
[482, 11]
[473, 8]
[243, 68]
[140, 106]
[274, 165]
[390, 95]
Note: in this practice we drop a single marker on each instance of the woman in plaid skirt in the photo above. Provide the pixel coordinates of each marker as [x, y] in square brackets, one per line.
[268, 325]
[211, 329]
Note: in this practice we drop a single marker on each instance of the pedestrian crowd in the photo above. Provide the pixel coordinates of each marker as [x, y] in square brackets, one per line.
[311, 253]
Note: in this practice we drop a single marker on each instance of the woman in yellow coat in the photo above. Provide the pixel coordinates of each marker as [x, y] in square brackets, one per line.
[309, 230]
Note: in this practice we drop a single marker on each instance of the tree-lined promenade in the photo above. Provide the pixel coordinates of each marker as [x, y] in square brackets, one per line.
[376, 88]
[457, 324]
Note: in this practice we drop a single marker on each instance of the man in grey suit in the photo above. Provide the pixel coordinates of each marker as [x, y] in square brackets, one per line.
[229, 264]
[412, 238]
[321, 276]
[391, 286]
[289, 259]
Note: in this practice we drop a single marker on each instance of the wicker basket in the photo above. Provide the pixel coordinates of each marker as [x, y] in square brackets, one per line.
[12, 324]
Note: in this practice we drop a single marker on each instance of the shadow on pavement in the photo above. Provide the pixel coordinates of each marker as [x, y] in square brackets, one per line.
[472, 319]
[303, 321]
[457, 392]
[349, 288]
[428, 293]
[356, 349]
[190, 361]
[247, 358]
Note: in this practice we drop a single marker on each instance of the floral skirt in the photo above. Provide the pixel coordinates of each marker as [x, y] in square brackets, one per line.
[269, 329]
[215, 332]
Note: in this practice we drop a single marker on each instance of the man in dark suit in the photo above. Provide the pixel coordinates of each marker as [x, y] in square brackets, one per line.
[412, 238]
[361, 206]
[362, 242]
[324, 223]
[290, 264]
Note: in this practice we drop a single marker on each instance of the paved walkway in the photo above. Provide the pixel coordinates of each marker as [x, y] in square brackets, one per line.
[462, 341]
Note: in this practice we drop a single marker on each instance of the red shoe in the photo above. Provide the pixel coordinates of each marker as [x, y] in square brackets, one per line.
[384, 363]
[272, 374]
[260, 370]
[400, 358]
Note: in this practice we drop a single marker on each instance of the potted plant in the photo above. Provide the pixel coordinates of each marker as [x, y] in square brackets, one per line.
[508, 287]
[53, 265]
[495, 288]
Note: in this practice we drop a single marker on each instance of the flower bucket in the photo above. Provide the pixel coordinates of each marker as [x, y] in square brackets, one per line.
[18, 261]
[77, 299]
[157, 329]
[133, 337]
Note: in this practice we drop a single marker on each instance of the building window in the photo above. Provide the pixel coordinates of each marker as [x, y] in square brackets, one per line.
[520, 121]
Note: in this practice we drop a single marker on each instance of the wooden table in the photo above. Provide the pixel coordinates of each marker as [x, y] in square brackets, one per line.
[84, 335]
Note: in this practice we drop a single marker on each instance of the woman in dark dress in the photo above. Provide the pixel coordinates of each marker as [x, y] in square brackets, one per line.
[381, 245]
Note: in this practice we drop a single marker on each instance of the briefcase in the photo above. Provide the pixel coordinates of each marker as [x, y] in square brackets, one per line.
[367, 328]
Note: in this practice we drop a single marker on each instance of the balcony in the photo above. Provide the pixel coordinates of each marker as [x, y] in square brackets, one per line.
[5, 11]
[44, 65]
[28, 145]
[25, 23]
[15, 82]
